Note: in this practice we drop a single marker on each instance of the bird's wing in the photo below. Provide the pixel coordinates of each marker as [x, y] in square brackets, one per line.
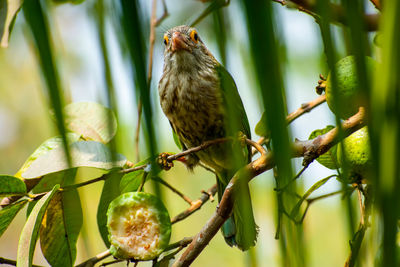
[236, 112]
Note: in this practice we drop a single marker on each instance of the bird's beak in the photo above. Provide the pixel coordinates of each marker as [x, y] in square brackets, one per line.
[179, 43]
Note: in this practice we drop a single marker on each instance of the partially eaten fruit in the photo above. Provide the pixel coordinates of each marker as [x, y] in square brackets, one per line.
[139, 226]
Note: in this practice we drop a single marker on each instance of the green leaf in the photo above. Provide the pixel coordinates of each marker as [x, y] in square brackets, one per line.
[62, 221]
[45, 147]
[90, 120]
[83, 154]
[8, 13]
[10, 185]
[8, 213]
[329, 158]
[47, 182]
[60, 228]
[314, 187]
[110, 191]
[131, 181]
[29, 234]
[261, 127]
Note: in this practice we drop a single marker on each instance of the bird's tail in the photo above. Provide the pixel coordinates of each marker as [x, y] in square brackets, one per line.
[240, 229]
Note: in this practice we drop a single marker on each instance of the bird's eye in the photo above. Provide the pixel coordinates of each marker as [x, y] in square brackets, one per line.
[166, 40]
[194, 36]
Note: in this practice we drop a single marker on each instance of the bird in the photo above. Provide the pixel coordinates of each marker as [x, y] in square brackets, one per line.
[202, 103]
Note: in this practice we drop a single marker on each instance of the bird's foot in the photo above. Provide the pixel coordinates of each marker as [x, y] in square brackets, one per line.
[163, 161]
[242, 139]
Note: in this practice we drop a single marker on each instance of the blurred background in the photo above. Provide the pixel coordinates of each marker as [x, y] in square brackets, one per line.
[25, 120]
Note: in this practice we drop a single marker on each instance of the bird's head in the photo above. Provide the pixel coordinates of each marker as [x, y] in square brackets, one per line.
[185, 49]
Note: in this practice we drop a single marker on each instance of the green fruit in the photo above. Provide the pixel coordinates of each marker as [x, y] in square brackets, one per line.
[357, 153]
[348, 84]
[139, 226]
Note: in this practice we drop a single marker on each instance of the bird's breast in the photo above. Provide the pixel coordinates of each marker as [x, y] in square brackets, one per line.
[193, 104]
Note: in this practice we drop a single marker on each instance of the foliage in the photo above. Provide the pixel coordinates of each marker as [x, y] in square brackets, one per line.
[87, 132]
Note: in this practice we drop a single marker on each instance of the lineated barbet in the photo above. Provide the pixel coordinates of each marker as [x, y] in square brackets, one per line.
[201, 101]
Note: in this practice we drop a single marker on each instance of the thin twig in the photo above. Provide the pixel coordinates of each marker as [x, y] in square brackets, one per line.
[197, 148]
[95, 180]
[152, 38]
[304, 108]
[181, 243]
[13, 262]
[214, 5]
[371, 21]
[355, 243]
[111, 262]
[256, 146]
[310, 149]
[291, 181]
[141, 167]
[164, 15]
[103, 177]
[205, 196]
[311, 200]
[206, 168]
[173, 189]
[377, 4]
[282, 2]
[140, 188]
[92, 261]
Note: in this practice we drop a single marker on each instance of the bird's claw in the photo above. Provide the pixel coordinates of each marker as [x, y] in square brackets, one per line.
[242, 138]
[163, 162]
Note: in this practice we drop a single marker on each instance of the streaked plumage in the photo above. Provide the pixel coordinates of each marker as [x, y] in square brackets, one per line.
[195, 91]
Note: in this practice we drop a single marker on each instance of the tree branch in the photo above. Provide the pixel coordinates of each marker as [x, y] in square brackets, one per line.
[377, 4]
[164, 15]
[206, 195]
[310, 150]
[173, 189]
[355, 243]
[197, 148]
[304, 108]
[338, 15]
[13, 262]
[92, 261]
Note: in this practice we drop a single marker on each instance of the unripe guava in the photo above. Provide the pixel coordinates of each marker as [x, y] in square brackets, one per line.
[139, 226]
[357, 153]
[348, 84]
